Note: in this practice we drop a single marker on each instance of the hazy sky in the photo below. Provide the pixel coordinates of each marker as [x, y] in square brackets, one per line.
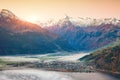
[45, 9]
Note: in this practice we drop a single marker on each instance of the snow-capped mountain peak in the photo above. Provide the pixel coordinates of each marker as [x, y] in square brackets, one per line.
[82, 22]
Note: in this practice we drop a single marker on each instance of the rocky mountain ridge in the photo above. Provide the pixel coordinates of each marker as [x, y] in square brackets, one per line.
[22, 37]
[93, 35]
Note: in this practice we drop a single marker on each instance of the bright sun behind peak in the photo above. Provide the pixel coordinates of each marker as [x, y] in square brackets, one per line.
[32, 19]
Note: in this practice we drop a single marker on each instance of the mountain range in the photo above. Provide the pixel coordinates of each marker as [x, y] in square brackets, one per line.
[67, 34]
[21, 37]
[86, 34]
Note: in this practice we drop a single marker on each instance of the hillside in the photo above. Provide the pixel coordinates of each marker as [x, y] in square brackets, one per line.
[105, 59]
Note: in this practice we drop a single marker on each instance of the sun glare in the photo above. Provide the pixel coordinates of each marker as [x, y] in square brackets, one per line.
[32, 19]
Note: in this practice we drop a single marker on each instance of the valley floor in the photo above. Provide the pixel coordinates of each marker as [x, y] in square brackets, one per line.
[39, 67]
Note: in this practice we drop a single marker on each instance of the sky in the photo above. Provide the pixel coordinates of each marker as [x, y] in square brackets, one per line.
[47, 9]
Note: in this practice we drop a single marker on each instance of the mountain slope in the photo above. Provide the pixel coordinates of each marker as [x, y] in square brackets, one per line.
[21, 37]
[105, 59]
[87, 34]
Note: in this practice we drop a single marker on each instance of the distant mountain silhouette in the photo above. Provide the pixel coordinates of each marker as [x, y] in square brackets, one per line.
[86, 34]
[21, 37]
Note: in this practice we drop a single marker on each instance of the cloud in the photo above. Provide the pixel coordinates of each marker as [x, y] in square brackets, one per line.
[32, 75]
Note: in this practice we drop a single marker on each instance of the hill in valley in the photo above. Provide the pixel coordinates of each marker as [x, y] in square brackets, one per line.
[107, 59]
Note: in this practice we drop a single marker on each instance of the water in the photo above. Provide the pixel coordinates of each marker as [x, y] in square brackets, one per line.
[34, 74]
